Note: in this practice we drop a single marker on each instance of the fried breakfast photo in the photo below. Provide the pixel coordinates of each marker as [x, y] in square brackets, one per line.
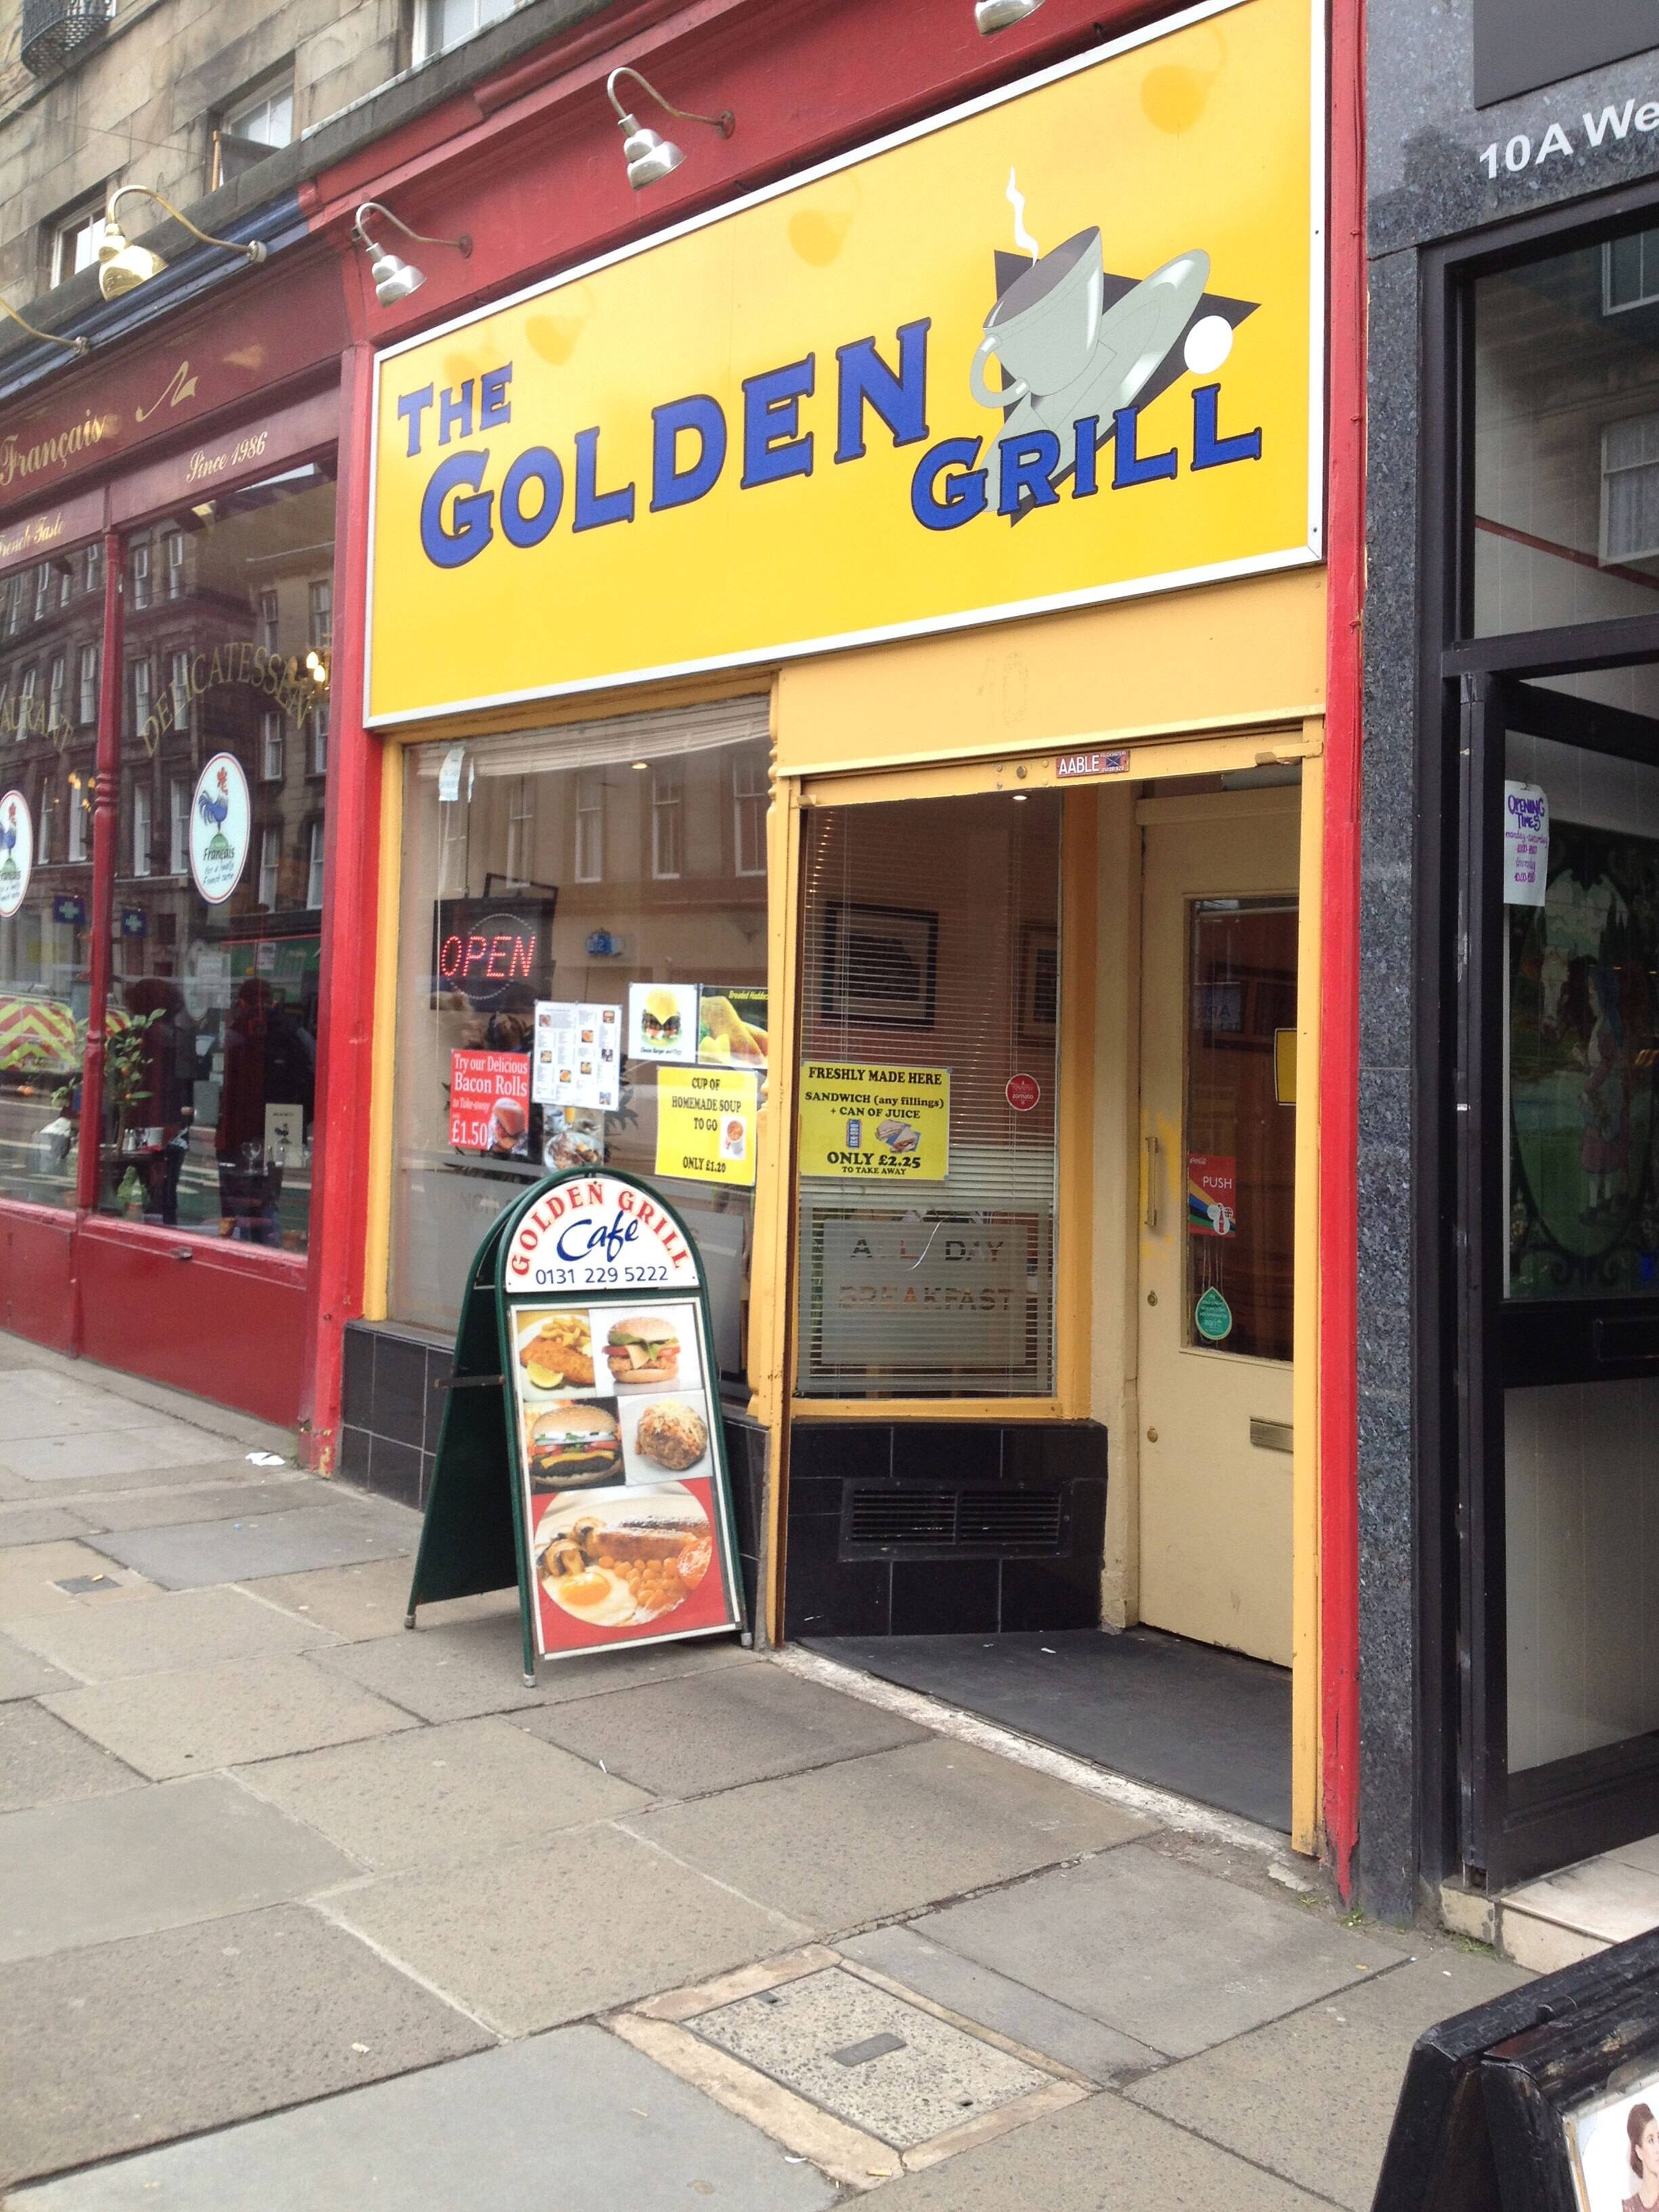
[644, 1348]
[576, 1446]
[556, 1351]
[671, 1434]
[619, 1562]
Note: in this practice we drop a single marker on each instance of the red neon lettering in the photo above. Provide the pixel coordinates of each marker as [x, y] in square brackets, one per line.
[491, 969]
[449, 959]
[475, 950]
[523, 950]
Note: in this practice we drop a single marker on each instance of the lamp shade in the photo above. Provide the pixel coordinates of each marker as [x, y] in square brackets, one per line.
[649, 157]
[991, 15]
[394, 280]
[122, 268]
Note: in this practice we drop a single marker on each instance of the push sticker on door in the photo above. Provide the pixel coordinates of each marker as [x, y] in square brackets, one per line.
[1212, 1193]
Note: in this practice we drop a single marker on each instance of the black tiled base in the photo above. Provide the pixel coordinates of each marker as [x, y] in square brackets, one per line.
[834, 1587]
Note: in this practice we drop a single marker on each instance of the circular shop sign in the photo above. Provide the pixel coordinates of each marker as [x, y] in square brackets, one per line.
[220, 832]
[1022, 1092]
[16, 852]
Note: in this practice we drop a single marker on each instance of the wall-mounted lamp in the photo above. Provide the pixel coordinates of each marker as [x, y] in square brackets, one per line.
[122, 268]
[395, 280]
[991, 15]
[648, 157]
[75, 345]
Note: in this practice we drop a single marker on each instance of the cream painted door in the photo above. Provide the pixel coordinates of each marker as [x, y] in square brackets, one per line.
[1217, 1124]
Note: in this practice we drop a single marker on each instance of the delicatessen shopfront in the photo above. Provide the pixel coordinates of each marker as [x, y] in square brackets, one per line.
[857, 765]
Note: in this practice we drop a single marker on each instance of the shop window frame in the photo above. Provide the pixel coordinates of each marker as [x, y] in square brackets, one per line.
[1471, 1819]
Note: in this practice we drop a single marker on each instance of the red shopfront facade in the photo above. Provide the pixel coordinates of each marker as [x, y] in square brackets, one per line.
[176, 784]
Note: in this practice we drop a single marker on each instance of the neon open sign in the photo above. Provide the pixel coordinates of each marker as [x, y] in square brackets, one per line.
[484, 949]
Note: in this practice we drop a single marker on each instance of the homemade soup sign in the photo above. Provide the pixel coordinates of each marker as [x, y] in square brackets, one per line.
[1057, 345]
[602, 1437]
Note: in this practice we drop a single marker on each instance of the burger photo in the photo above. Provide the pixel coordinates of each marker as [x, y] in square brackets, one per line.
[660, 1021]
[644, 1349]
[574, 1447]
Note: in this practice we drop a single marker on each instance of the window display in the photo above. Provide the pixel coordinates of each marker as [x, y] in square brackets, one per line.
[562, 987]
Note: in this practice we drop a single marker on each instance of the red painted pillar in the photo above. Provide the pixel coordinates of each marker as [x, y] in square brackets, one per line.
[105, 830]
[1339, 1091]
[351, 890]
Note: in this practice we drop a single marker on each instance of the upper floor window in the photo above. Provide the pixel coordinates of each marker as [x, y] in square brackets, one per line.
[55, 692]
[1629, 271]
[440, 24]
[749, 798]
[589, 827]
[140, 576]
[42, 590]
[320, 612]
[95, 567]
[73, 240]
[173, 543]
[270, 618]
[667, 815]
[15, 602]
[254, 124]
[89, 684]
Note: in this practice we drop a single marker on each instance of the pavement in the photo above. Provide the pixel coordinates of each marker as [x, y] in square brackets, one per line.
[301, 1909]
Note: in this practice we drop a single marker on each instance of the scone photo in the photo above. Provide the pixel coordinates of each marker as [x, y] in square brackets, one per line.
[665, 1435]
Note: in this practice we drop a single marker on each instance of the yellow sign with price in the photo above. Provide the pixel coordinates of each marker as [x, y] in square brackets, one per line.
[706, 1125]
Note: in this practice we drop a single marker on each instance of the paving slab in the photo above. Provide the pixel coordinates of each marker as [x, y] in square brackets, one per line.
[148, 1858]
[371, 1598]
[575, 2118]
[871, 1837]
[76, 1490]
[42, 1524]
[1103, 2155]
[180, 1628]
[129, 2043]
[25, 1673]
[222, 1501]
[218, 1550]
[1174, 1958]
[534, 1939]
[465, 1790]
[696, 1733]
[189, 1719]
[43, 1761]
[155, 1442]
[30, 1576]
[39, 1406]
[996, 2000]
[1272, 2095]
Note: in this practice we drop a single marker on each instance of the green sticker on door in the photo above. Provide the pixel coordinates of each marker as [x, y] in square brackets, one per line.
[1213, 1316]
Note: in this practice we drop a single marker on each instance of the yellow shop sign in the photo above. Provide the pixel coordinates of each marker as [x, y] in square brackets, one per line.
[1060, 344]
[880, 1124]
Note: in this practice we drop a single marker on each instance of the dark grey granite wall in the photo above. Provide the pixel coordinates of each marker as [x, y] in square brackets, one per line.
[1427, 183]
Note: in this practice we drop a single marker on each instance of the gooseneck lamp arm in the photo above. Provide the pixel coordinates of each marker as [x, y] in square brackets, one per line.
[75, 345]
[252, 249]
[725, 122]
[463, 245]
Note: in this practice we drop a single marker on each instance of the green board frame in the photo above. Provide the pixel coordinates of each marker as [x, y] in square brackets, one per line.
[474, 1535]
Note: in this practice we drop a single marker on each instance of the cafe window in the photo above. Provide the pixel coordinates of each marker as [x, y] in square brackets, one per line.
[676, 965]
[210, 1115]
[930, 980]
[45, 906]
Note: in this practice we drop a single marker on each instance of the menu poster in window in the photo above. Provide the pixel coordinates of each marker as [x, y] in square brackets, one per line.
[662, 1021]
[616, 1419]
[497, 954]
[706, 1125]
[576, 1055]
[489, 1104]
[891, 1124]
[732, 1026]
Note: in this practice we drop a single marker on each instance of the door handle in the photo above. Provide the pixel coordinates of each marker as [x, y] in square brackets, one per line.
[1154, 1153]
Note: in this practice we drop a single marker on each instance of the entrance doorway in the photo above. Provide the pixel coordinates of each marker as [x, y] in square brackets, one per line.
[1216, 1238]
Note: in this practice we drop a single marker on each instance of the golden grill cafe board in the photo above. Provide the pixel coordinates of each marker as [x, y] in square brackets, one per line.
[1056, 346]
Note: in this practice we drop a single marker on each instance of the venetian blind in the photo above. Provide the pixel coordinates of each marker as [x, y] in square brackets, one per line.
[931, 941]
[613, 741]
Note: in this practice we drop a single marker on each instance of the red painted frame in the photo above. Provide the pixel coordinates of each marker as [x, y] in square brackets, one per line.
[1339, 1082]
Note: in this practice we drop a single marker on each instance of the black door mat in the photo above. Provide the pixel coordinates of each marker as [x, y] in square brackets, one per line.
[1208, 1724]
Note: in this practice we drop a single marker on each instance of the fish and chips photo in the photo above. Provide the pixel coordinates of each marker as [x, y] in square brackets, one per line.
[644, 1348]
[671, 1434]
[559, 1355]
[573, 1447]
[620, 1562]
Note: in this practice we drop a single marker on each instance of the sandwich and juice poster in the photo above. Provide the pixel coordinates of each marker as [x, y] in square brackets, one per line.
[890, 1124]
[619, 1464]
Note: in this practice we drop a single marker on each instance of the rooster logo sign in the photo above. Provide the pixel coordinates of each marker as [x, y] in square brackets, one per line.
[16, 852]
[213, 806]
[219, 829]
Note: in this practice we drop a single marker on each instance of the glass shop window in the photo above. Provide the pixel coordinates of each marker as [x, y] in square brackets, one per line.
[210, 1081]
[556, 989]
[1565, 521]
[45, 906]
[930, 1002]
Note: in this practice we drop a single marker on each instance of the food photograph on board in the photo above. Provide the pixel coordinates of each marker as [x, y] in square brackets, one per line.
[575, 1445]
[628, 1560]
[651, 1351]
[555, 1350]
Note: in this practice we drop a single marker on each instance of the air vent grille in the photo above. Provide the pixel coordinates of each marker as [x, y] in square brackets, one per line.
[880, 1518]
